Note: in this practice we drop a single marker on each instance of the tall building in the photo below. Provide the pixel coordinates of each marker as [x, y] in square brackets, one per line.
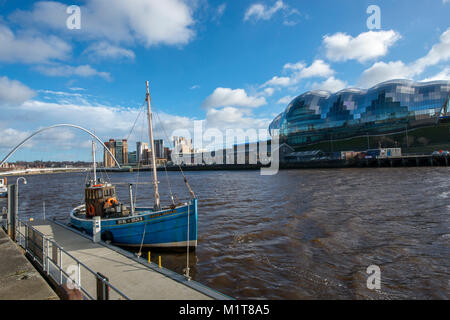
[125, 151]
[119, 148]
[182, 145]
[119, 151]
[107, 159]
[132, 159]
[159, 149]
[397, 113]
[141, 148]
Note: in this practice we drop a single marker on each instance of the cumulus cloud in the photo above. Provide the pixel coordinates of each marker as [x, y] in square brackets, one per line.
[299, 71]
[279, 81]
[382, 71]
[331, 84]
[317, 69]
[149, 22]
[366, 46]
[226, 97]
[13, 92]
[35, 114]
[29, 48]
[234, 118]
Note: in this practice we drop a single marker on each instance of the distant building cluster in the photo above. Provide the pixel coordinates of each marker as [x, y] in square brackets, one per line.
[182, 145]
[142, 155]
[7, 165]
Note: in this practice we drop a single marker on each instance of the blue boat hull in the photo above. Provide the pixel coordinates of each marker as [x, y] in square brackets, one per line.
[3, 194]
[164, 228]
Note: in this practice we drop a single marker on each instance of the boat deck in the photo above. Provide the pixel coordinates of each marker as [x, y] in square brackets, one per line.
[138, 280]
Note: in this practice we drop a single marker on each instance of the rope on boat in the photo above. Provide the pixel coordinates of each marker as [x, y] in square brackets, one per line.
[191, 192]
[139, 164]
[170, 187]
[187, 248]
[142, 241]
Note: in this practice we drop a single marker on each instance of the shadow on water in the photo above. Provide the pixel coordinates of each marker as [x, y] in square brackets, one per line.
[301, 234]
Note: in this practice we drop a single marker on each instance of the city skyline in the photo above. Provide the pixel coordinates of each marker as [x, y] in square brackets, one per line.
[229, 64]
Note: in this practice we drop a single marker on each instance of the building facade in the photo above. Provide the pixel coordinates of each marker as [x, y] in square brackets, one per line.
[182, 145]
[141, 148]
[159, 149]
[393, 111]
[119, 148]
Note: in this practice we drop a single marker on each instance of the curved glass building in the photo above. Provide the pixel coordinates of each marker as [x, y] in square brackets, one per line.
[387, 111]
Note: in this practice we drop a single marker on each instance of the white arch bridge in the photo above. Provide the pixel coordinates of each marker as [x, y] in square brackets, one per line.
[57, 126]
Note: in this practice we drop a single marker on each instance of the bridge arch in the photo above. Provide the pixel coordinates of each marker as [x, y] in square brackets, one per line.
[57, 126]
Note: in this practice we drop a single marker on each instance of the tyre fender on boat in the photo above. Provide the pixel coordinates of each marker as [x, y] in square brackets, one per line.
[91, 210]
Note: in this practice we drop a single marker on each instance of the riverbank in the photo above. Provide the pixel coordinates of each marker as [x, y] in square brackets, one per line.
[41, 171]
[403, 161]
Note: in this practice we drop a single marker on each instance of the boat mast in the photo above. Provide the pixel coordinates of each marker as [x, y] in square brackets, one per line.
[152, 146]
[94, 162]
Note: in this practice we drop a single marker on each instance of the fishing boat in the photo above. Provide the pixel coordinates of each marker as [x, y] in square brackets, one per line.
[3, 188]
[173, 226]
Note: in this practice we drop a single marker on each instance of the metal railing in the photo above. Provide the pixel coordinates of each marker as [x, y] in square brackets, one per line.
[63, 268]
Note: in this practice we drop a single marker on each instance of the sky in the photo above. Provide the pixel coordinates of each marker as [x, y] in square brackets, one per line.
[229, 64]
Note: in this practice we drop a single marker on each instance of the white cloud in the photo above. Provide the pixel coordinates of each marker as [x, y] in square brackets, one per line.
[239, 120]
[269, 91]
[317, 69]
[149, 22]
[279, 81]
[382, 71]
[226, 97]
[13, 92]
[259, 11]
[295, 66]
[30, 48]
[68, 71]
[11, 137]
[331, 84]
[440, 52]
[366, 46]
[443, 75]
[299, 71]
[104, 50]
[285, 100]
[34, 114]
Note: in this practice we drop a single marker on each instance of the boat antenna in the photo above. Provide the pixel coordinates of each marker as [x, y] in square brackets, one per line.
[94, 162]
[152, 146]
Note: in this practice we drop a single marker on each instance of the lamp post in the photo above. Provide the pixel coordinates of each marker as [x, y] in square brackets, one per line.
[17, 194]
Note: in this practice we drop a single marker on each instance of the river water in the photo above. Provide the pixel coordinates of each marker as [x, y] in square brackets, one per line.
[300, 234]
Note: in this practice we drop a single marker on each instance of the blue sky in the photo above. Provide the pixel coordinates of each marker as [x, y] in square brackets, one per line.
[232, 64]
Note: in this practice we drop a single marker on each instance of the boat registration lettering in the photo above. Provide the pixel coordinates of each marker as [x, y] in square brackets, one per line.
[130, 220]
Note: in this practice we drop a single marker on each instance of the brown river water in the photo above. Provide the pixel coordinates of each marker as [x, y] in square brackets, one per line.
[300, 234]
